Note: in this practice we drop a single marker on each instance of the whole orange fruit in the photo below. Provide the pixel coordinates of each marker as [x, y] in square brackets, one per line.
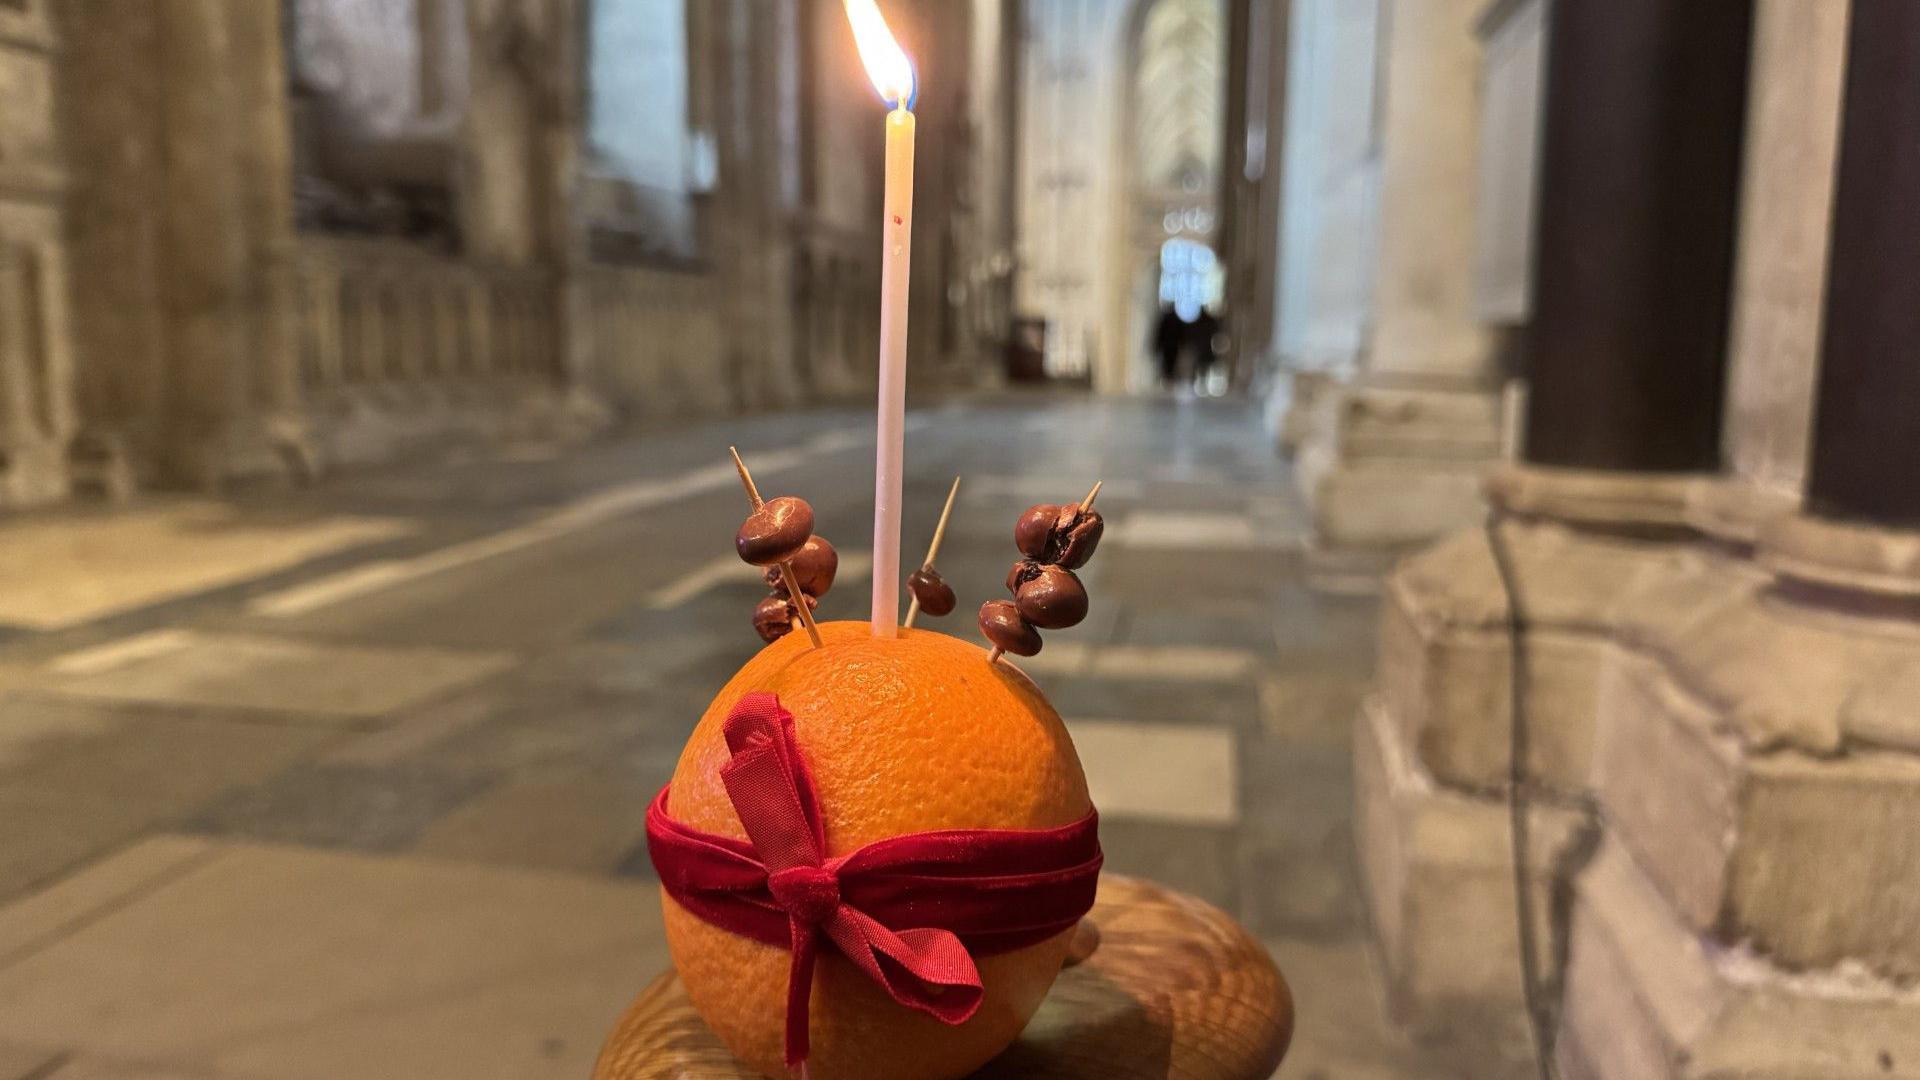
[904, 735]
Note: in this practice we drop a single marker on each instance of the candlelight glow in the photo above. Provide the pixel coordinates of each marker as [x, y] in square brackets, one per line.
[887, 66]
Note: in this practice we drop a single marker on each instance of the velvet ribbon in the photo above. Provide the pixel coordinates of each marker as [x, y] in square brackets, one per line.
[911, 912]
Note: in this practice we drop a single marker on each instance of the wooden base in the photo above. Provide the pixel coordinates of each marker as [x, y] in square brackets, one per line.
[1160, 985]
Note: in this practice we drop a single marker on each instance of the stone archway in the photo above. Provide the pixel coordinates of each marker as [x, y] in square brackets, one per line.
[1171, 153]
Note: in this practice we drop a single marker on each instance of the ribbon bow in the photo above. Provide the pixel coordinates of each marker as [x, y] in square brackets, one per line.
[961, 893]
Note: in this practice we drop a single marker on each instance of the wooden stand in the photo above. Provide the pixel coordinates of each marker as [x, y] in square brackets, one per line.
[1163, 987]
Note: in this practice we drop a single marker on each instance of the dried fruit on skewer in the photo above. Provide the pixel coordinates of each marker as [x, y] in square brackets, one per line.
[1047, 594]
[779, 535]
[931, 593]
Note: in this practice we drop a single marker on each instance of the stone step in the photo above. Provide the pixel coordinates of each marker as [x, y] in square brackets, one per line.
[1437, 868]
[1752, 751]
[1647, 999]
[1811, 861]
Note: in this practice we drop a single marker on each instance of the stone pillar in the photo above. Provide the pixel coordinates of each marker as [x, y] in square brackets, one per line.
[501, 182]
[1424, 333]
[207, 273]
[1860, 532]
[178, 127]
[1786, 204]
[1755, 752]
[1866, 445]
[265, 163]
[1639, 180]
[1642, 114]
[1395, 453]
[36, 406]
[749, 46]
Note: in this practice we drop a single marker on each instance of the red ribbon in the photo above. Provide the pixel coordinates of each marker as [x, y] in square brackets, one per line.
[958, 893]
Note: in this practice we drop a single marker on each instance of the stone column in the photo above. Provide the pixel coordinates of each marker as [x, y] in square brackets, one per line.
[177, 123]
[500, 210]
[1639, 185]
[1637, 169]
[1866, 445]
[205, 278]
[1395, 454]
[36, 406]
[265, 162]
[1786, 205]
[1861, 528]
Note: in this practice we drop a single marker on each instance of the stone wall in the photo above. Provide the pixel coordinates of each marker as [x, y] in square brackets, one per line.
[401, 232]
[1073, 85]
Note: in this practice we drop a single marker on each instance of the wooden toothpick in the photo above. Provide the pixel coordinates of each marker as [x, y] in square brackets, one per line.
[746, 478]
[794, 595]
[933, 549]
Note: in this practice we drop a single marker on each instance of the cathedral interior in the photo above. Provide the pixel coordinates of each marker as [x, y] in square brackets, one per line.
[1506, 412]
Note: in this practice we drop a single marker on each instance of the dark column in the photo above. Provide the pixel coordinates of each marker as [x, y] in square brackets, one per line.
[1644, 108]
[1866, 440]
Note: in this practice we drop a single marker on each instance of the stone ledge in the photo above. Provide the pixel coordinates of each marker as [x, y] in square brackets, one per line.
[1646, 1000]
[1786, 674]
[1736, 511]
[1392, 466]
[1436, 868]
[1450, 695]
[1383, 504]
[1444, 645]
[1596, 497]
[1420, 425]
[1843, 555]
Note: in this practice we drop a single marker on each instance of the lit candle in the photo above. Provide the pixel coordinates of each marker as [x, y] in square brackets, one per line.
[892, 75]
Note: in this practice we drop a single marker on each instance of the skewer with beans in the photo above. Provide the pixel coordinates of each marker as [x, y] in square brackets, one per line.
[1047, 594]
[931, 593]
[800, 566]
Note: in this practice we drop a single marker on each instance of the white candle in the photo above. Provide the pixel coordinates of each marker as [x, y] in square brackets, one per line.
[893, 77]
[894, 264]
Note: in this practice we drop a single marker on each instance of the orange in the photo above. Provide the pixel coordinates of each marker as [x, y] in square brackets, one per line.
[904, 735]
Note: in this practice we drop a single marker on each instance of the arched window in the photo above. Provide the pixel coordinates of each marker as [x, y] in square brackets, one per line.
[1190, 277]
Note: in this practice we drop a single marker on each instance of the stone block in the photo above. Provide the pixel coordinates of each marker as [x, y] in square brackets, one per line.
[1387, 503]
[1825, 861]
[1444, 641]
[1669, 780]
[1647, 999]
[1457, 424]
[1436, 866]
[271, 962]
[1384, 467]
[1810, 860]
[1450, 689]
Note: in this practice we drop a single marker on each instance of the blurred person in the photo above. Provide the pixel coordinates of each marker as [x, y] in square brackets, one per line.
[1170, 337]
[1204, 336]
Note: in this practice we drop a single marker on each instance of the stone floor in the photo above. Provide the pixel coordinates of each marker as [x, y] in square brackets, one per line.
[354, 787]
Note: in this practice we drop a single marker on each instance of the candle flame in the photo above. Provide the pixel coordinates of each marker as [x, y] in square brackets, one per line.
[887, 65]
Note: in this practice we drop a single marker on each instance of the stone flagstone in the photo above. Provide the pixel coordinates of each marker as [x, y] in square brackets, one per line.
[226, 671]
[66, 570]
[277, 963]
[1180, 773]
